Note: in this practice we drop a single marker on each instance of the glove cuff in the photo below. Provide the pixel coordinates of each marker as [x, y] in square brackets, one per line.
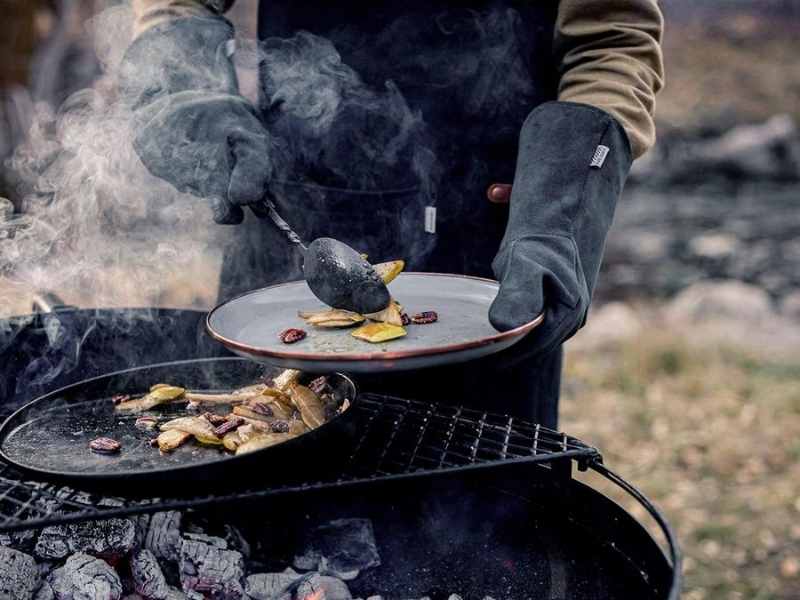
[568, 154]
[186, 54]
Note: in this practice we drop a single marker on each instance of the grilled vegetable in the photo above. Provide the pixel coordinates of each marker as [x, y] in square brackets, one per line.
[285, 379]
[161, 394]
[171, 439]
[231, 440]
[200, 428]
[309, 404]
[279, 397]
[234, 397]
[331, 318]
[388, 271]
[264, 440]
[391, 314]
[378, 332]
[255, 411]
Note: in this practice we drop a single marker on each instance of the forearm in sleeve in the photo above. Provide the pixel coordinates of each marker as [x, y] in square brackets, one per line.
[148, 13]
[610, 55]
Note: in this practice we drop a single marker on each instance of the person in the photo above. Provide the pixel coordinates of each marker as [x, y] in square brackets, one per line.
[480, 138]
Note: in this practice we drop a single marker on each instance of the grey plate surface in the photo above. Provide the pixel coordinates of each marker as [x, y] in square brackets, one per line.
[250, 325]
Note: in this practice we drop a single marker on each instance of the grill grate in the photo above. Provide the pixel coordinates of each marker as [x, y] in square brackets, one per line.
[400, 438]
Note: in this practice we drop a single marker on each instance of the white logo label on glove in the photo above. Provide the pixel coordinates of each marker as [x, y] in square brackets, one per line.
[599, 157]
[430, 219]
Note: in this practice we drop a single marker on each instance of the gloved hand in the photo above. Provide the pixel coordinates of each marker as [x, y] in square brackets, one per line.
[192, 128]
[572, 163]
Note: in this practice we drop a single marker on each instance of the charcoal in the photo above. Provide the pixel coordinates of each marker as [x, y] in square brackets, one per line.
[45, 592]
[237, 541]
[85, 577]
[334, 588]
[211, 540]
[19, 540]
[342, 548]
[19, 575]
[206, 566]
[163, 535]
[111, 538]
[148, 578]
[268, 586]
[454, 597]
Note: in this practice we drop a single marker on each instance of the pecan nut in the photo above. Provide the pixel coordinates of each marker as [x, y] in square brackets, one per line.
[292, 335]
[261, 408]
[423, 318]
[319, 385]
[280, 426]
[213, 418]
[105, 445]
[228, 426]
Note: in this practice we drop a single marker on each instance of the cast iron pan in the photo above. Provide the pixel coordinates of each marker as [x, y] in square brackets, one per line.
[249, 326]
[48, 438]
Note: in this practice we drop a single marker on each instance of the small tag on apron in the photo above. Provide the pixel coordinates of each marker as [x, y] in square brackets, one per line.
[430, 219]
[599, 157]
[230, 47]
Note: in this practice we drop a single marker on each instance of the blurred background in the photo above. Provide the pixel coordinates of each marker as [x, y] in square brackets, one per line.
[687, 376]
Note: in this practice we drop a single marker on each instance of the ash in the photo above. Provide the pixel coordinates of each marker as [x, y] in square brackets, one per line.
[164, 557]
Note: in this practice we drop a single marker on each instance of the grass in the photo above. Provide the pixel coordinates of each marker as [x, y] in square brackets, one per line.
[711, 433]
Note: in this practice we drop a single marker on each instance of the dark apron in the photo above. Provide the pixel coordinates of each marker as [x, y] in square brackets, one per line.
[393, 113]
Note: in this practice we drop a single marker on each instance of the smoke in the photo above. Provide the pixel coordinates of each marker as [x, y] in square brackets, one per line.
[99, 229]
[341, 131]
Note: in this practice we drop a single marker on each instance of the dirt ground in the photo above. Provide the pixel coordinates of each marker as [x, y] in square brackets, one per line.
[709, 430]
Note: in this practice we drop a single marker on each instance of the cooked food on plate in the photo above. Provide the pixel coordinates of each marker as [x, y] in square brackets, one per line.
[383, 326]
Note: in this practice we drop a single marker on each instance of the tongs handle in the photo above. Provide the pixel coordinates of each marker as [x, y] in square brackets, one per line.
[266, 209]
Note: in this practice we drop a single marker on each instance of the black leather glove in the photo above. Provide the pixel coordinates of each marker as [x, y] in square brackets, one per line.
[572, 163]
[192, 128]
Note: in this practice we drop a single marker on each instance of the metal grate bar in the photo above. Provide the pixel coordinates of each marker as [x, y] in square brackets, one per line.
[399, 438]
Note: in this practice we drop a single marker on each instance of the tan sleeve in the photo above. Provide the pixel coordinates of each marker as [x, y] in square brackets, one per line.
[610, 52]
[152, 12]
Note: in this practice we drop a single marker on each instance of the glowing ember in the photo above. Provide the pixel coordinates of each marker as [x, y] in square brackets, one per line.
[318, 595]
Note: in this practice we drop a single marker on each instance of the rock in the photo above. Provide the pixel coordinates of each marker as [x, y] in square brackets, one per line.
[715, 300]
[19, 575]
[790, 306]
[714, 245]
[148, 578]
[752, 151]
[85, 577]
[609, 323]
[110, 538]
[207, 567]
[342, 548]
